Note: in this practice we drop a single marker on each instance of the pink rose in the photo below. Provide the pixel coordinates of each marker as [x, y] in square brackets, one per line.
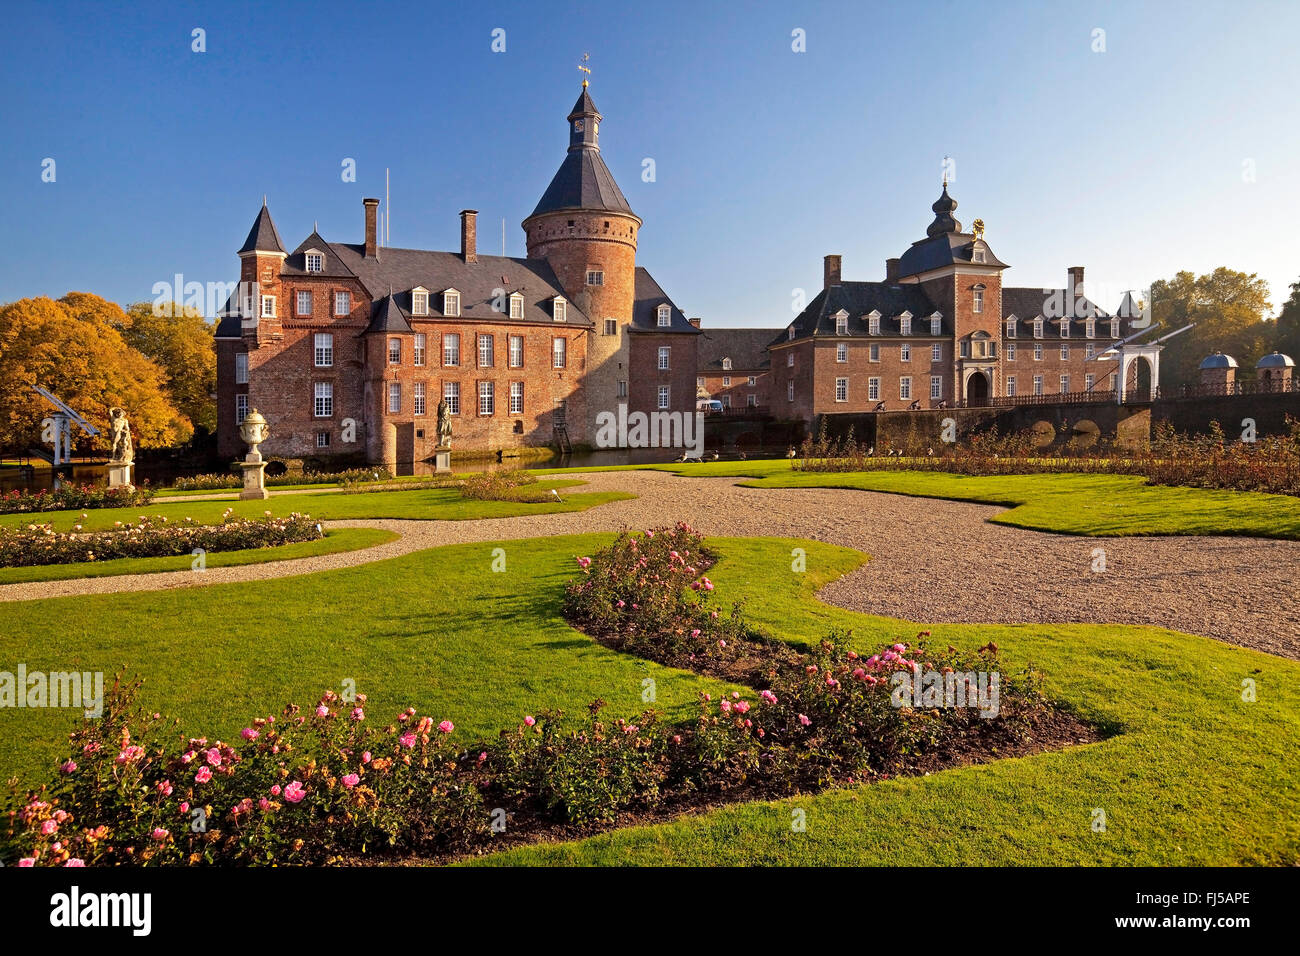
[214, 757]
[75, 862]
[294, 792]
[351, 780]
[69, 766]
[49, 827]
[203, 776]
[407, 740]
[275, 789]
[530, 721]
[446, 726]
[803, 719]
[160, 834]
[248, 733]
[322, 711]
[358, 713]
[365, 757]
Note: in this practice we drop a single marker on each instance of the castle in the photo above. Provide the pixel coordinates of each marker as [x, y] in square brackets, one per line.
[347, 349]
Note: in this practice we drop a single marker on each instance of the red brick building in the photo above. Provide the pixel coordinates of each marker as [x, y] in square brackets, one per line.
[940, 330]
[734, 368]
[348, 348]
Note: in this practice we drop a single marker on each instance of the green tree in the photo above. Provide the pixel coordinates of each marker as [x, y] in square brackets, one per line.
[1229, 310]
[180, 340]
[1287, 337]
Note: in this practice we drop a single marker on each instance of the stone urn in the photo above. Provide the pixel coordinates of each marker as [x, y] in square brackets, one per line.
[254, 430]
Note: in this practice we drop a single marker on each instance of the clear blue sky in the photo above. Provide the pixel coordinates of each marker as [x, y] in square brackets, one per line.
[1129, 161]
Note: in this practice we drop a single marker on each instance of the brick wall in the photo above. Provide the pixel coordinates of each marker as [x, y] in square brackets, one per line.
[647, 377]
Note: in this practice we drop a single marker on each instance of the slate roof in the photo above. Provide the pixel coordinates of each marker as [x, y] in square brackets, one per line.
[649, 295]
[296, 263]
[387, 316]
[263, 236]
[405, 269]
[747, 349]
[859, 299]
[583, 181]
[1028, 304]
[946, 249]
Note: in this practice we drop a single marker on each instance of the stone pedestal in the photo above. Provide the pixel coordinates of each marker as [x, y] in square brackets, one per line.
[254, 477]
[119, 474]
[442, 461]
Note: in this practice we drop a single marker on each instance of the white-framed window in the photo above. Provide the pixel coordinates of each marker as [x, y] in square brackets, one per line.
[726, 401]
[418, 398]
[905, 387]
[420, 350]
[905, 352]
[936, 352]
[1038, 385]
[323, 349]
[487, 398]
[1090, 329]
[342, 303]
[977, 304]
[1011, 385]
[1038, 327]
[1038, 353]
[516, 306]
[268, 306]
[1114, 328]
[322, 439]
[323, 406]
[611, 326]
[1114, 377]
[904, 324]
[663, 357]
[595, 277]
[394, 351]
[451, 349]
[873, 323]
[753, 380]
[1089, 350]
[873, 389]
[559, 309]
[993, 350]
[699, 381]
[451, 302]
[1065, 384]
[241, 368]
[1065, 328]
[978, 256]
[841, 390]
[420, 302]
[664, 395]
[1011, 327]
[559, 352]
[1065, 353]
[789, 333]
[789, 391]
[751, 400]
[789, 360]
[936, 325]
[303, 301]
[936, 386]
[965, 348]
[842, 352]
[315, 262]
[394, 397]
[664, 316]
[451, 395]
[873, 352]
[726, 364]
[841, 324]
[726, 381]
[516, 351]
[486, 356]
[241, 409]
[1088, 381]
[1011, 351]
[516, 398]
[622, 389]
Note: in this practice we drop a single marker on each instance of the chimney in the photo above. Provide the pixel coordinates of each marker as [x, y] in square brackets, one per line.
[1076, 280]
[372, 241]
[695, 321]
[469, 235]
[831, 272]
[891, 270]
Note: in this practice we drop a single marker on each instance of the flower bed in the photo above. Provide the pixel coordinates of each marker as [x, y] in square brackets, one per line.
[74, 497]
[350, 476]
[325, 785]
[39, 544]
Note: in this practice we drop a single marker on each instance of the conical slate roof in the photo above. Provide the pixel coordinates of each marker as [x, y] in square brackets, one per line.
[263, 236]
[583, 181]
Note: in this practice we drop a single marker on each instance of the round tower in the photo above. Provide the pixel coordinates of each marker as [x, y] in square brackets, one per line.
[585, 229]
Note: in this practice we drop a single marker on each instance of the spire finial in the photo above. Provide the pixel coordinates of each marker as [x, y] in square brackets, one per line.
[263, 200]
[585, 69]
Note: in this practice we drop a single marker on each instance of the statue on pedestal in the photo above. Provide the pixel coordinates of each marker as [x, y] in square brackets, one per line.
[254, 430]
[442, 457]
[122, 456]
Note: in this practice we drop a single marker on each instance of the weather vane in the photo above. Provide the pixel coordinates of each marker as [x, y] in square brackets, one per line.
[585, 69]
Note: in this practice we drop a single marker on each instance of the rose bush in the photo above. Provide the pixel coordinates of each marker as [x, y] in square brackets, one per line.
[74, 497]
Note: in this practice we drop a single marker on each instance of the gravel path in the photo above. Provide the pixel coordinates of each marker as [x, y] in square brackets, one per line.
[934, 561]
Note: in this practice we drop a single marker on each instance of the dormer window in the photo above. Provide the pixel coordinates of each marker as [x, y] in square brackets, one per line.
[559, 309]
[451, 302]
[315, 262]
[841, 323]
[1065, 328]
[516, 306]
[1114, 328]
[1011, 327]
[905, 324]
[726, 365]
[936, 324]
[1090, 330]
[978, 255]
[1038, 327]
[420, 301]
[665, 316]
[790, 334]
[873, 323]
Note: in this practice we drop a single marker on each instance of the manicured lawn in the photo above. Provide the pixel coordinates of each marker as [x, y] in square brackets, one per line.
[335, 541]
[1193, 776]
[440, 503]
